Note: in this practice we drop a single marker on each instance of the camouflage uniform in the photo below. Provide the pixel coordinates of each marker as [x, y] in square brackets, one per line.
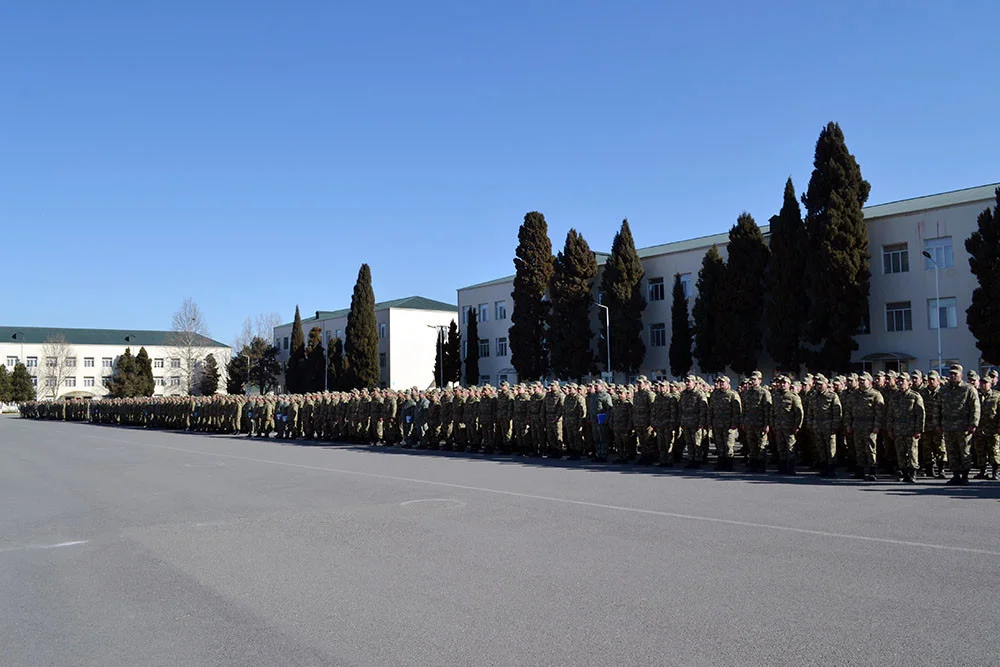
[787, 415]
[959, 418]
[756, 401]
[725, 413]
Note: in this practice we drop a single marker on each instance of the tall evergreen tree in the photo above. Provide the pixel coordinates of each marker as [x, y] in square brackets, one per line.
[472, 348]
[5, 390]
[124, 379]
[145, 385]
[983, 314]
[741, 311]
[439, 358]
[361, 333]
[838, 273]
[315, 365]
[621, 285]
[21, 388]
[706, 313]
[681, 360]
[264, 370]
[532, 273]
[453, 354]
[786, 305]
[208, 383]
[569, 318]
[336, 377]
[236, 374]
[296, 373]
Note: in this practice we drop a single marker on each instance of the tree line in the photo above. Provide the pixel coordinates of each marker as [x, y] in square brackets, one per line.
[802, 298]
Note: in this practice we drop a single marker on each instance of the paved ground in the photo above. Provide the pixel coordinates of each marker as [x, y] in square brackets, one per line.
[131, 547]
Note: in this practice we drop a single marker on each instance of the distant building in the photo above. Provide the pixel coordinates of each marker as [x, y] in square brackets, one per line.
[905, 315]
[407, 333]
[78, 363]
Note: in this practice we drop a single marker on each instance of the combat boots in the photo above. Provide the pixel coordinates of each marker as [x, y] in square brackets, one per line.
[982, 472]
[870, 476]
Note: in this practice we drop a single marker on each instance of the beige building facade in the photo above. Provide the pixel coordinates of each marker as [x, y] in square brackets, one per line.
[905, 315]
[407, 331]
[79, 363]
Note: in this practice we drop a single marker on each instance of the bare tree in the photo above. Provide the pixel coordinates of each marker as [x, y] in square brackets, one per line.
[58, 363]
[260, 326]
[188, 337]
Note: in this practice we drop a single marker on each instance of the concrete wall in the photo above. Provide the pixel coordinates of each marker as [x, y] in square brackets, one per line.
[413, 336]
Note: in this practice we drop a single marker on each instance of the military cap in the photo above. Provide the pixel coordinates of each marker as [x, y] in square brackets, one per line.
[641, 378]
[758, 375]
[809, 376]
[841, 379]
[973, 376]
[867, 376]
[955, 368]
[723, 378]
[993, 373]
[918, 373]
[933, 375]
[782, 378]
[819, 378]
[690, 378]
[853, 377]
[915, 376]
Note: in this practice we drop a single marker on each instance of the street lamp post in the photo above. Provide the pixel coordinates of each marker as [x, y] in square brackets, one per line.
[440, 329]
[248, 373]
[607, 337]
[937, 303]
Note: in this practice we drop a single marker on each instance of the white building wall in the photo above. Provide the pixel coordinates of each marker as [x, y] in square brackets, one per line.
[884, 228]
[496, 366]
[413, 337]
[88, 381]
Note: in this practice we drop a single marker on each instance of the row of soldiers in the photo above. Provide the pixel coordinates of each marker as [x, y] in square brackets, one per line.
[910, 423]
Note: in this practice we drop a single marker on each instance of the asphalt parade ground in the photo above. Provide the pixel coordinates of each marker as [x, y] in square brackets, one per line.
[135, 547]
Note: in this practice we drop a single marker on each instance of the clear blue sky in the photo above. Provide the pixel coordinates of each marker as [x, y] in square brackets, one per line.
[253, 154]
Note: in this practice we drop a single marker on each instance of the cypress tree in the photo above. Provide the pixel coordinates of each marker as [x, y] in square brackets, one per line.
[21, 389]
[439, 353]
[706, 313]
[681, 360]
[5, 390]
[296, 373]
[569, 318]
[145, 385]
[208, 383]
[472, 348]
[621, 285]
[983, 314]
[838, 273]
[336, 378]
[786, 305]
[315, 362]
[453, 354]
[741, 310]
[361, 333]
[236, 373]
[123, 379]
[532, 274]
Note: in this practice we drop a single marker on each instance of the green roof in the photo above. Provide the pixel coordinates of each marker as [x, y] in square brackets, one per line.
[409, 302]
[131, 337]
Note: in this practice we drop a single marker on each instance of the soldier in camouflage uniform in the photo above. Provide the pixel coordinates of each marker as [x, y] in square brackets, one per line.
[756, 400]
[574, 416]
[867, 417]
[725, 412]
[906, 421]
[642, 415]
[786, 420]
[600, 420]
[621, 426]
[693, 409]
[986, 439]
[827, 414]
[536, 418]
[665, 421]
[552, 411]
[959, 419]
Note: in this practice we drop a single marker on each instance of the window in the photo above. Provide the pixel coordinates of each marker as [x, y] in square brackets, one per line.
[284, 342]
[70, 362]
[502, 347]
[175, 362]
[70, 382]
[501, 310]
[484, 379]
[11, 362]
[51, 362]
[88, 362]
[866, 323]
[329, 337]
[88, 382]
[106, 380]
[31, 362]
[277, 343]
[381, 359]
[340, 334]
[860, 367]
[159, 381]
[50, 382]
[34, 381]
[943, 313]
[657, 335]
[658, 374]
[898, 316]
[157, 363]
[484, 347]
[895, 258]
[656, 289]
[503, 378]
[465, 315]
[175, 380]
[107, 362]
[940, 252]
[686, 284]
[483, 314]
[381, 331]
